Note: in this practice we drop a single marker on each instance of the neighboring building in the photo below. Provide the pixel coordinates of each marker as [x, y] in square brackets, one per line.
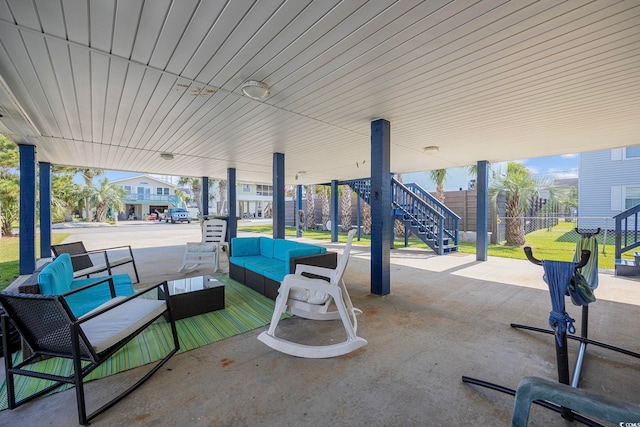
[254, 200]
[609, 184]
[146, 195]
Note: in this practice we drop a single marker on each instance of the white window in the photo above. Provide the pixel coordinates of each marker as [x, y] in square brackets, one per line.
[632, 196]
[632, 152]
[246, 188]
[264, 190]
[162, 190]
[127, 188]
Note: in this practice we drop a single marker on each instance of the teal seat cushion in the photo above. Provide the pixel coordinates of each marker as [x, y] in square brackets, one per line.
[276, 272]
[266, 247]
[261, 264]
[84, 301]
[56, 278]
[245, 246]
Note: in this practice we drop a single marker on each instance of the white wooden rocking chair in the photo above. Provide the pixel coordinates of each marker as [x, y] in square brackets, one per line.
[312, 298]
[208, 250]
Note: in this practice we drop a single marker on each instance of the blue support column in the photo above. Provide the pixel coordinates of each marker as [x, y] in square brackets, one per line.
[296, 217]
[333, 211]
[232, 222]
[482, 214]
[359, 215]
[45, 210]
[205, 195]
[278, 196]
[27, 239]
[381, 225]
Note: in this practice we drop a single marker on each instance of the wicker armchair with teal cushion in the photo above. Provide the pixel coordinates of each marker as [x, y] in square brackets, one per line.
[50, 328]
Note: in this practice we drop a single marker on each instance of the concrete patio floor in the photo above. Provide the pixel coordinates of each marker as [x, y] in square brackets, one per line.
[446, 317]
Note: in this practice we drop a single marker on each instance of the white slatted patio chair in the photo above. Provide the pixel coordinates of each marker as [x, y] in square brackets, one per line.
[316, 299]
[207, 251]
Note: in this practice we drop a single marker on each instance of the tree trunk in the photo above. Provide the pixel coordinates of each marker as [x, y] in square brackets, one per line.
[366, 218]
[324, 203]
[311, 223]
[514, 230]
[101, 212]
[345, 204]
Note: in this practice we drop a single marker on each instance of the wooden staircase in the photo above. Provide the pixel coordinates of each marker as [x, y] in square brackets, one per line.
[420, 212]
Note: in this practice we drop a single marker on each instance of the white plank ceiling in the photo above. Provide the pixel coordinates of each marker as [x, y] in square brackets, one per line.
[112, 84]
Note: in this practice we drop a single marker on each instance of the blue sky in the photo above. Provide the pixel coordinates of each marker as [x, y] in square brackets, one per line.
[565, 166]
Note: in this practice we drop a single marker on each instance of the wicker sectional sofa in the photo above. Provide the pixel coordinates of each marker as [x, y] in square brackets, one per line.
[262, 262]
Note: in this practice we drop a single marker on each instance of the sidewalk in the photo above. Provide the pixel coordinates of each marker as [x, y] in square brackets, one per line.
[446, 316]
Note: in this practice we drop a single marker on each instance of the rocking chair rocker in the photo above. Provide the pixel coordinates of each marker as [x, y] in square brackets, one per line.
[311, 298]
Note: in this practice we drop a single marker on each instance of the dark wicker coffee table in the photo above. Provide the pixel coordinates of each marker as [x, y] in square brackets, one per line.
[195, 295]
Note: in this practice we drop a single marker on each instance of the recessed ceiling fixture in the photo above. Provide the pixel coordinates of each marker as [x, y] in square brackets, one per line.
[431, 149]
[255, 89]
[166, 156]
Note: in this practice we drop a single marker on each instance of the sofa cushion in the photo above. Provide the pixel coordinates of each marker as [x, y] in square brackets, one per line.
[108, 328]
[261, 264]
[266, 247]
[245, 246]
[56, 278]
[84, 301]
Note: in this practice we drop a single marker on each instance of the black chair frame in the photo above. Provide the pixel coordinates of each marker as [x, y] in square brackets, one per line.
[79, 349]
[81, 257]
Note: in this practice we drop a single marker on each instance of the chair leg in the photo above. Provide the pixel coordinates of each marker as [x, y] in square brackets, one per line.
[8, 364]
[78, 378]
[280, 307]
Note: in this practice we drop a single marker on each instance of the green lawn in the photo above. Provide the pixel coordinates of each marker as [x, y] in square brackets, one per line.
[9, 252]
[557, 244]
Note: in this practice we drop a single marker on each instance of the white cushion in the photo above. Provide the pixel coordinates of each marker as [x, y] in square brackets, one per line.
[118, 323]
[306, 295]
[201, 247]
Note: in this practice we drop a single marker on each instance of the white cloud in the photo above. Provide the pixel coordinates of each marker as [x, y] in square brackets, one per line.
[569, 156]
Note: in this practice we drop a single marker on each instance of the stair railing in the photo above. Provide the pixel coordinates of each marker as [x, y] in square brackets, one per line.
[627, 236]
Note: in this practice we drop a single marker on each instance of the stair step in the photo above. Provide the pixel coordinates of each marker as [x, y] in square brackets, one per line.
[627, 267]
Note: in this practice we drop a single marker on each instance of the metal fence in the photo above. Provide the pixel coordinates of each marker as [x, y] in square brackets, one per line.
[558, 230]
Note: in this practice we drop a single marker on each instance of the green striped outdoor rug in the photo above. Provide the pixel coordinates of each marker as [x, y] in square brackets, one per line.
[244, 311]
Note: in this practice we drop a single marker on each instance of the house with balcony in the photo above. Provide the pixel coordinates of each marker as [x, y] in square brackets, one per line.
[147, 195]
[254, 200]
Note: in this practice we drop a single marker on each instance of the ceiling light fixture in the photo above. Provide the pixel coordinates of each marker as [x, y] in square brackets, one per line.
[255, 89]
[431, 149]
[166, 156]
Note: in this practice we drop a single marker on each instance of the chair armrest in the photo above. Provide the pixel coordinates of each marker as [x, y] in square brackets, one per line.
[312, 269]
[584, 402]
[109, 279]
[111, 248]
[126, 299]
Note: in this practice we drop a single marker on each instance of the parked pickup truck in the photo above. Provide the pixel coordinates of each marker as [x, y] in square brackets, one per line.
[177, 215]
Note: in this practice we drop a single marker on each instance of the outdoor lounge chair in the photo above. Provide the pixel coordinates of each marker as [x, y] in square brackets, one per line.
[50, 329]
[315, 298]
[87, 262]
[207, 251]
[536, 390]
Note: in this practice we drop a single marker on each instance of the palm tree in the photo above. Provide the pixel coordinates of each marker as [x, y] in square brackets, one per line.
[64, 195]
[345, 207]
[310, 206]
[366, 218]
[9, 185]
[222, 188]
[439, 176]
[107, 196]
[324, 195]
[518, 187]
[196, 188]
[88, 175]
